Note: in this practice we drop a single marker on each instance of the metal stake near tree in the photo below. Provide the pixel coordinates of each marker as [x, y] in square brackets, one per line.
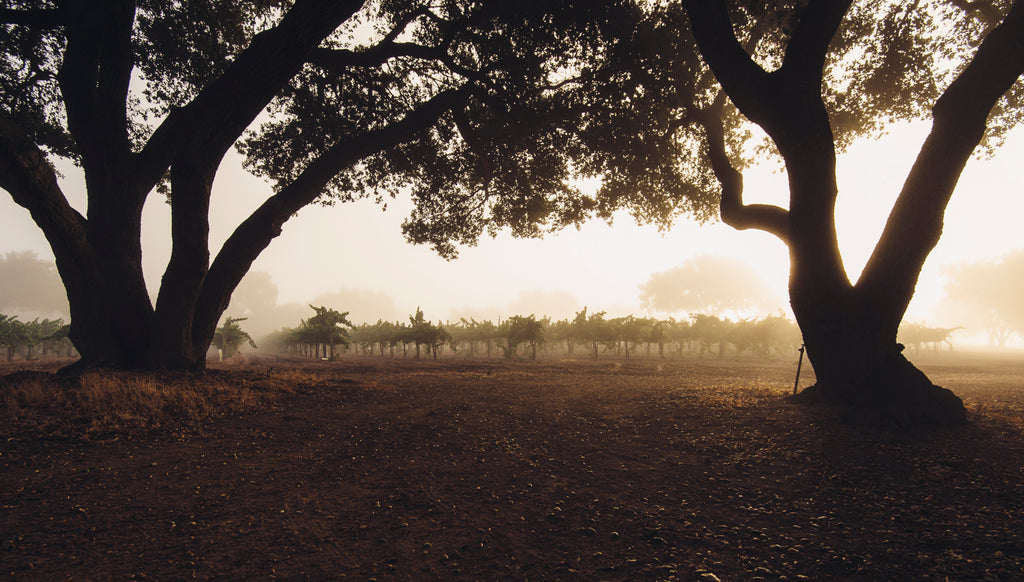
[799, 363]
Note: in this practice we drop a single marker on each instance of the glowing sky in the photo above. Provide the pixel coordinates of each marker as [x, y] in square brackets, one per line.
[357, 246]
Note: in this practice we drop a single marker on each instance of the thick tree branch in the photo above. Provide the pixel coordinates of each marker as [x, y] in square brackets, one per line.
[960, 115]
[192, 142]
[152, 161]
[775, 101]
[220, 113]
[32, 184]
[735, 213]
[94, 77]
[787, 104]
[254, 234]
[743, 80]
[808, 47]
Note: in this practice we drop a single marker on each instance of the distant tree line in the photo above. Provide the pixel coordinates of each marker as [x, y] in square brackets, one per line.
[587, 335]
[33, 340]
[517, 337]
[330, 329]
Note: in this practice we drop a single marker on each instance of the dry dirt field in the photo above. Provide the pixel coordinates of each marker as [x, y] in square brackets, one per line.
[391, 469]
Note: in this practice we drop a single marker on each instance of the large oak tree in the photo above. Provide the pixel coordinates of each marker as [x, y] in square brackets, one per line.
[839, 70]
[358, 98]
[485, 110]
[814, 75]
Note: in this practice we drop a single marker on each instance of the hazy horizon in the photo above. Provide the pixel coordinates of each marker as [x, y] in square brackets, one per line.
[355, 252]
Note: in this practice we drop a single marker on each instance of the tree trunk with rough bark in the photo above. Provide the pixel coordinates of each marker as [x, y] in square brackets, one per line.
[114, 323]
[850, 329]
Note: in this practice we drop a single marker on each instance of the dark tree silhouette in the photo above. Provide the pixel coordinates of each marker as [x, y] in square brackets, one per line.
[485, 109]
[797, 93]
[814, 75]
[365, 97]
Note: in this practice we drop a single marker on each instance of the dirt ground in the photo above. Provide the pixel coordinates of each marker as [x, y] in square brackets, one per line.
[391, 469]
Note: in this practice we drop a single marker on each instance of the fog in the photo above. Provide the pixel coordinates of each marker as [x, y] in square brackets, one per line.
[257, 300]
[30, 287]
[981, 299]
[985, 298]
[352, 257]
[710, 284]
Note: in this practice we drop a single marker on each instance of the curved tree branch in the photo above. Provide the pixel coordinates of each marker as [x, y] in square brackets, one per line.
[265, 223]
[808, 47]
[768, 99]
[960, 116]
[735, 213]
[223, 109]
[743, 80]
[788, 105]
[747, 85]
[32, 184]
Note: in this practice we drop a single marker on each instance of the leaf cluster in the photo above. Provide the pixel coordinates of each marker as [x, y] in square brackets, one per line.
[17, 335]
[536, 97]
[31, 47]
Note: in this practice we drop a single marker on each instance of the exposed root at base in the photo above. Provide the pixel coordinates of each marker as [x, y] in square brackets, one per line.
[895, 408]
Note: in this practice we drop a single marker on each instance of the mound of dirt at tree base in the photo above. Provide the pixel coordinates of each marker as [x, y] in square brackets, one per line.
[489, 470]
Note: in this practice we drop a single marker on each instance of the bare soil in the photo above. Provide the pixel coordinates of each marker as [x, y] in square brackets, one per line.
[391, 469]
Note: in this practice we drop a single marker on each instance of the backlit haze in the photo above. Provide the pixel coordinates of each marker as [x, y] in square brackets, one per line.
[352, 257]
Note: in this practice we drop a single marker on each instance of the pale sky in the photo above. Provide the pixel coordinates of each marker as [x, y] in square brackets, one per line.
[356, 246]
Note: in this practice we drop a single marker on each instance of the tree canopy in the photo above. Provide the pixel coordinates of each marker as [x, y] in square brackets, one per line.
[488, 112]
[472, 104]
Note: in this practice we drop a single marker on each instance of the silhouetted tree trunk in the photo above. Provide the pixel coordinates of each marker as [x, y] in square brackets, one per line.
[99, 256]
[850, 329]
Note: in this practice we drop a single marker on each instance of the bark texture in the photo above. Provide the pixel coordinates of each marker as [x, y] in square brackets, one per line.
[850, 329]
[114, 323]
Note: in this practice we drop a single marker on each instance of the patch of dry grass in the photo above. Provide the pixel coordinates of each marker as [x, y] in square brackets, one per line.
[37, 403]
